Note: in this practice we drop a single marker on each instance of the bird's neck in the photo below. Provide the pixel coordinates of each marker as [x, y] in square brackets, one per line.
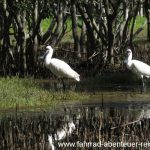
[48, 58]
[128, 61]
[130, 57]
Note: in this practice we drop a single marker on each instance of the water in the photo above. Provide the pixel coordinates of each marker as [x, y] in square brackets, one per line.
[106, 116]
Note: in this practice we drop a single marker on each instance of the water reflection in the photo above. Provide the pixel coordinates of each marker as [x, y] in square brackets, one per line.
[126, 122]
[60, 134]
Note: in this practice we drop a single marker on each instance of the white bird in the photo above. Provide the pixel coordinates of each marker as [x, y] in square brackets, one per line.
[138, 67]
[59, 67]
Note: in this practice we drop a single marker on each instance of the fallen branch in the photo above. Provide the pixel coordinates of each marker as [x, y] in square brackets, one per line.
[139, 29]
[129, 123]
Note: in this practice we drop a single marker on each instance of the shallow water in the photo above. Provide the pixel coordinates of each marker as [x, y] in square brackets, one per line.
[106, 116]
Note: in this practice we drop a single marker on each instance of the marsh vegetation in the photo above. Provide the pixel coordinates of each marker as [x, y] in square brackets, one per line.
[91, 36]
[28, 93]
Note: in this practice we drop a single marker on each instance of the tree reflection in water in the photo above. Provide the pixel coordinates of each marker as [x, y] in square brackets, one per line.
[43, 131]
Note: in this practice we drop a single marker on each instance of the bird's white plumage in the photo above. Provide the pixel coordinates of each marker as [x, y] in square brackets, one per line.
[62, 69]
[59, 67]
[141, 68]
[138, 67]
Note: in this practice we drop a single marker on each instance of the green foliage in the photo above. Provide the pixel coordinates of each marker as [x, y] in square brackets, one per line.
[139, 23]
[45, 24]
[69, 38]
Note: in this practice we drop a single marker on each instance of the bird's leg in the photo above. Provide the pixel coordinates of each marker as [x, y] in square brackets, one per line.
[64, 88]
[58, 85]
[143, 85]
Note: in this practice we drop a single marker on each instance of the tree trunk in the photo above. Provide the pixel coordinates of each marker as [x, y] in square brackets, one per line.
[83, 41]
[110, 35]
[47, 35]
[21, 42]
[75, 28]
[58, 30]
[91, 41]
[132, 27]
[35, 37]
[147, 11]
[110, 41]
[141, 8]
[5, 57]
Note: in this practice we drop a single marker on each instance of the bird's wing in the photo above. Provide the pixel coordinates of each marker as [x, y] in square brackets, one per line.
[141, 68]
[62, 69]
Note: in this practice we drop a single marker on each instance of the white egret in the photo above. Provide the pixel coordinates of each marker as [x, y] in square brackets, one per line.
[138, 67]
[59, 67]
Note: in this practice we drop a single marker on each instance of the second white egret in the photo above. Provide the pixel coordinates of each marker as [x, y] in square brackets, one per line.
[140, 68]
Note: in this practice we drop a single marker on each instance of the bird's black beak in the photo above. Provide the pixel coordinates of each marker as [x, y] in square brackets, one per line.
[43, 56]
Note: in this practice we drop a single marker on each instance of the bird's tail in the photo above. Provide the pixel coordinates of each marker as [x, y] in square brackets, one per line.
[77, 78]
[75, 75]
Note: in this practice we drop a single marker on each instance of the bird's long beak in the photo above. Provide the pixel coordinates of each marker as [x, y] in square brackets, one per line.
[43, 56]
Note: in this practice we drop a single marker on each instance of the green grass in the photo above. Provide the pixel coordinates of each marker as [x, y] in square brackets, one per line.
[139, 23]
[27, 93]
